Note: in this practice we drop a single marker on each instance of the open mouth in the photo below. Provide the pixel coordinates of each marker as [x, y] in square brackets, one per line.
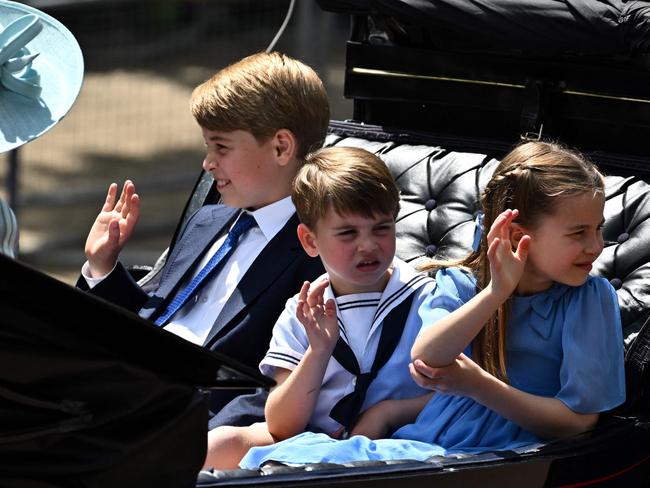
[368, 265]
[221, 183]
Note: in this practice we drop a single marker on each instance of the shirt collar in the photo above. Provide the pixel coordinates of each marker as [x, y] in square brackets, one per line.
[273, 217]
[403, 281]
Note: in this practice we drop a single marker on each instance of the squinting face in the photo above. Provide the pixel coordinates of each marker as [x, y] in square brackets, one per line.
[356, 251]
[244, 170]
[564, 245]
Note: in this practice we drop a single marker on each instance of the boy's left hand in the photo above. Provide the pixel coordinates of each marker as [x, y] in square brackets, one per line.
[461, 378]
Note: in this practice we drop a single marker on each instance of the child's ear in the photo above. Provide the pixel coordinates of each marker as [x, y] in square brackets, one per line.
[308, 240]
[516, 233]
[285, 146]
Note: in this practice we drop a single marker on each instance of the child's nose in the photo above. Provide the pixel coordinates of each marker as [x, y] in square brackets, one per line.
[595, 244]
[367, 244]
[209, 162]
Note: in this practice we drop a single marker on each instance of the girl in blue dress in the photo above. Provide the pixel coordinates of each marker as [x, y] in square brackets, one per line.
[519, 343]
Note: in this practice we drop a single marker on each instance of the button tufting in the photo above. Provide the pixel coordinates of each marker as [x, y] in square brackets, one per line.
[616, 283]
[623, 237]
[431, 250]
[430, 204]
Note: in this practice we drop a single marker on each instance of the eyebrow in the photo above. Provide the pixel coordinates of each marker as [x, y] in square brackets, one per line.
[347, 226]
[217, 138]
[582, 226]
[386, 221]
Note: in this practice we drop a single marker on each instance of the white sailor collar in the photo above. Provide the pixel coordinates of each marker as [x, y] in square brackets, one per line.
[403, 282]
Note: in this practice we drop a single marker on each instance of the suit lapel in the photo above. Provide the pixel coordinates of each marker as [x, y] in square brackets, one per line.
[271, 262]
[201, 233]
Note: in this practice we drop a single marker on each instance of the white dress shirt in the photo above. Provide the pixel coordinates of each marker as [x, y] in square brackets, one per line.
[195, 319]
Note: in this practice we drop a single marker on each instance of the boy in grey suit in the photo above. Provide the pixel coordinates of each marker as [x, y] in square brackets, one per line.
[259, 118]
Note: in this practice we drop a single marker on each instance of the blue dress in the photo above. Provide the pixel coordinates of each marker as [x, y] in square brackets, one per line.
[565, 342]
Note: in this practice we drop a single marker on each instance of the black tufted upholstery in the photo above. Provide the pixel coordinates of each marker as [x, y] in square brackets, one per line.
[440, 193]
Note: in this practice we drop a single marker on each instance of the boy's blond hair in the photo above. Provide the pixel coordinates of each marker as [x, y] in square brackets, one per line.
[261, 94]
[349, 179]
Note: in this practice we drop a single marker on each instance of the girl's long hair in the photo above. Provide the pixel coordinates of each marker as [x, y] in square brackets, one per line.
[531, 178]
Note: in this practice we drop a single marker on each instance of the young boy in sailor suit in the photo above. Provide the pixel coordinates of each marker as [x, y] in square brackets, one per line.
[340, 350]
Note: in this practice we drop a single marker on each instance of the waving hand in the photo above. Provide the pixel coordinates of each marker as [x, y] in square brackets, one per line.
[506, 265]
[317, 316]
[112, 228]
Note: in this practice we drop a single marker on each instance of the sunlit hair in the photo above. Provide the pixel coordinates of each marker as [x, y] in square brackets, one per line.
[347, 179]
[532, 178]
[261, 94]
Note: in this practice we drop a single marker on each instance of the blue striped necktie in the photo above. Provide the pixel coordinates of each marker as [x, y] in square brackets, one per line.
[245, 222]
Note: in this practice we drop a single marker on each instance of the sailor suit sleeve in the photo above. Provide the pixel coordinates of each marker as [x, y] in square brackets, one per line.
[288, 342]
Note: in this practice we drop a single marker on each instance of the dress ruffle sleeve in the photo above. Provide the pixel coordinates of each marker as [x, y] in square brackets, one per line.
[592, 375]
[454, 287]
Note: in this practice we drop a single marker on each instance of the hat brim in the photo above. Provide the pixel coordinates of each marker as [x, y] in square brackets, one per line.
[60, 66]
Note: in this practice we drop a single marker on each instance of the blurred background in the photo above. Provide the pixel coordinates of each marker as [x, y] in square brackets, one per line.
[131, 119]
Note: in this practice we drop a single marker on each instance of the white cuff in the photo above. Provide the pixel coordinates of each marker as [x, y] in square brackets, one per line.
[93, 282]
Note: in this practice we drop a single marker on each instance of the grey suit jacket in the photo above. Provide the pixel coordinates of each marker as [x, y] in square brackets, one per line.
[242, 330]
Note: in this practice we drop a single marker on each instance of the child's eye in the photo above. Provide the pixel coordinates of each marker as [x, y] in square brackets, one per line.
[218, 148]
[346, 234]
[383, 228]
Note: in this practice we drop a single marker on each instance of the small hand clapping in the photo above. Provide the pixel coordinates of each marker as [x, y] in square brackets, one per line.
[317, 316]
[506, 266]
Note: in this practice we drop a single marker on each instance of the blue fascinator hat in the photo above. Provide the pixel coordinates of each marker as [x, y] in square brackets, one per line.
[41, 72]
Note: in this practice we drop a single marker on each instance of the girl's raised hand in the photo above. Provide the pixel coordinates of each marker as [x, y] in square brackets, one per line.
[317, 316]
[460, 378]
[506, 265]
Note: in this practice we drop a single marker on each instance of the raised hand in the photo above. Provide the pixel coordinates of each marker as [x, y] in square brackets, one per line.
[506, 266]
[462, 377]
[317, 316]
[112, 228]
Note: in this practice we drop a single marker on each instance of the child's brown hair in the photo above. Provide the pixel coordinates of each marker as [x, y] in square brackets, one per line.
[532, 178]
[261, 94]
[349, 179]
